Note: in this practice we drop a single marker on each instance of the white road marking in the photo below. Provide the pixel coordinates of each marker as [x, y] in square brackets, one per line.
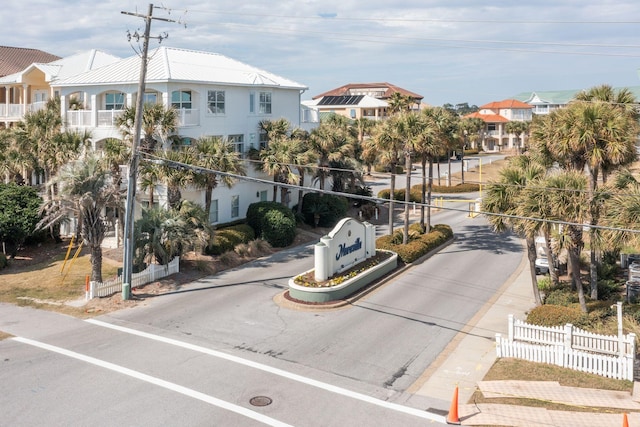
[319, 384]
[156, 381]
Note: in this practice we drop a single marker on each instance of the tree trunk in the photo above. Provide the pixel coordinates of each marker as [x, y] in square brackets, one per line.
[207, 200]
[575, 267]
[594, 213]
[439, 178]
[429, 189]
[449, 173]
[392, 189]
[532, 255]
[407, 198]
[423, 193]
[96, 263]
[553, 260]
[300, 192]
[462, 166]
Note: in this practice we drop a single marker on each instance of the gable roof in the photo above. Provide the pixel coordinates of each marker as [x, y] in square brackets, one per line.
[14, 59]
[65, 67]
[387, 90]
[184, 65]
[488, 118]
[506, 104]
[558, 97]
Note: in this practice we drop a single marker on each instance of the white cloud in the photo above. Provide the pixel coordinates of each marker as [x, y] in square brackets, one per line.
[430, 47]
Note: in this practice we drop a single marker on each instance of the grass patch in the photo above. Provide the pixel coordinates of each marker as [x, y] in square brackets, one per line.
[41, 281]
[522, 370]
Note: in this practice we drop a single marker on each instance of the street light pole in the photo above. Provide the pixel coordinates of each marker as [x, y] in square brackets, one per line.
[127, 269]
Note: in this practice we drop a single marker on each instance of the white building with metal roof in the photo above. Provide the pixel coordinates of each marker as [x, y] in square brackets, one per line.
[213, 94]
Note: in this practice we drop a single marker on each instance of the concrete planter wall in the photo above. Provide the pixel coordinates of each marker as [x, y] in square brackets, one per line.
[346, 288]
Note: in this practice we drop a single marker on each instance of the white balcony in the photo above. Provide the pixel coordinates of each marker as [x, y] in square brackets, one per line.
[188, 117]
[108, 117]
[79, 118]
[14, 111]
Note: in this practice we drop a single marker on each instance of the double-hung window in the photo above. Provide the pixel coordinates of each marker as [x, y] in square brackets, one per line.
[238, 143]
[215, 101]
[213, 212]
[264, 106]
[235, 206]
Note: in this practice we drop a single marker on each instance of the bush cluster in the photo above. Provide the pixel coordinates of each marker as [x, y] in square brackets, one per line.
[555, 315]
[329, 209]
[273, 222]
[226, 239]
[418, 245]
[415, 194]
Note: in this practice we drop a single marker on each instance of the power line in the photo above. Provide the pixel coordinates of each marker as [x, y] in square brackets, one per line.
[376, 200]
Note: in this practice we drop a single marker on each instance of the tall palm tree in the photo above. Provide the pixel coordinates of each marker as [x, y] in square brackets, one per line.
[216, 154]
[333, 140]
[389, 143]
[471, 128]
[594, 135]
[85, 191]
[173, 174]
[505, 197]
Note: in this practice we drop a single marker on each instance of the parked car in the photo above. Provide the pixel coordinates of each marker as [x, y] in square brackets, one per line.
[542, 265]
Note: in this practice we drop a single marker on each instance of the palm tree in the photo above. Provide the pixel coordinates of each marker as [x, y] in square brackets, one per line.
[389, 143]
[162, 234]
[215, 154]
[173, 174]
[471, 128]
[399, 102]
[117, 153]
[518, 129]
[85, 191]
[505, 197]
[595, 135]
[158, 122]
[332, 141]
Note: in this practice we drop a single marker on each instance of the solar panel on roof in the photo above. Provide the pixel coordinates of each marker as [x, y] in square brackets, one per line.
[341, 100]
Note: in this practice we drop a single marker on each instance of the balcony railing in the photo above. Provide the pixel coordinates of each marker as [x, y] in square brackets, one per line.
[188, 116]
[79, 118]
[11, 110]
[108, 117]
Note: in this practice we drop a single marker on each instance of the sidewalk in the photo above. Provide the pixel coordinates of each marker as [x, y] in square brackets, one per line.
[471, 354]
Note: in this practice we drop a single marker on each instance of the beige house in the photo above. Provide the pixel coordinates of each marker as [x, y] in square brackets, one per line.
[496, 115]
[360, 100]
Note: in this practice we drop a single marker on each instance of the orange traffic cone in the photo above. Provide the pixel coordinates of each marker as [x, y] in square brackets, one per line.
[625, 421]
[452, 416]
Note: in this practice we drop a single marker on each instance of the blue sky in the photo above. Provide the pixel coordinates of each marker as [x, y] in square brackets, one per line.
[449, 51]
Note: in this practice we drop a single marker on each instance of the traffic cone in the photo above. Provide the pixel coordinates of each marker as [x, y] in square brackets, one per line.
[625, 421]
[452, 416]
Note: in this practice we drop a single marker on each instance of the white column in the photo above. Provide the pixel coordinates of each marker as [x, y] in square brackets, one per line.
[63, 109]
[25, 99]
[94, 110]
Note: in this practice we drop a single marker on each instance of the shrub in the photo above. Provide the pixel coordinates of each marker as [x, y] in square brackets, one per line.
[279, 228]
[608, 289]
[327, 209]
[555, 315]
[561, 296]
[3, 261]
[226, 239]
[545, 284]
[418, 245]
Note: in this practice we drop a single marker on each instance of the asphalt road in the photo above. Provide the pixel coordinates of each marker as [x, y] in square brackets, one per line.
[220, 341]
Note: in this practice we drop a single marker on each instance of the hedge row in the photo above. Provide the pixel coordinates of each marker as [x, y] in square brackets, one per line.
[415, 195]
[419, 244]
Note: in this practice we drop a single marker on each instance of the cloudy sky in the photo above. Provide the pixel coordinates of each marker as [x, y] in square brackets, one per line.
[449, 51]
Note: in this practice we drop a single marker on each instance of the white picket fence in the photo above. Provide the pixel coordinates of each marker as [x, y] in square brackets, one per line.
[570, 347]
[151, 273]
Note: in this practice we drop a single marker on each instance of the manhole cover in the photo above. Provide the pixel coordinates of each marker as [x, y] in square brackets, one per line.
[260, 401]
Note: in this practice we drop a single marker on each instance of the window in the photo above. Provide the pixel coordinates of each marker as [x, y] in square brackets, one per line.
[264, 141]
[263, 196]
[215, 101]
[238, 143]
[114, 101]
[252, 103]
[235, 206]
[265, 103]
[352, 113]
[491, 127]
[150, 98]
[213, 212]
[181, 99]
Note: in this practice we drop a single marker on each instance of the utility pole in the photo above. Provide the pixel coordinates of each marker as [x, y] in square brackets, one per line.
[129, 243]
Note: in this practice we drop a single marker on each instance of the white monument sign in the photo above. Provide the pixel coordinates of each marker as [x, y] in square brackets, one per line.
[349, 243]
